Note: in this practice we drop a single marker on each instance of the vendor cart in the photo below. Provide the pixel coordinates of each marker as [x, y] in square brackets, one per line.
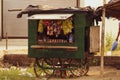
[61, 40]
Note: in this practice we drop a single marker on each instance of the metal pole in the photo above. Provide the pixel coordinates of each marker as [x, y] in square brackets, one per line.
[102, 39]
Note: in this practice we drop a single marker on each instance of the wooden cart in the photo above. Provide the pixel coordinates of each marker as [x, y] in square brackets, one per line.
[61, 40]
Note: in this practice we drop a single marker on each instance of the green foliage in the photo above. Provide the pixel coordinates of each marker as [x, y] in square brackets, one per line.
[118, 47]
[30, 69]
[5, 73]
[108, 41]
[13, 73]
[95, 62]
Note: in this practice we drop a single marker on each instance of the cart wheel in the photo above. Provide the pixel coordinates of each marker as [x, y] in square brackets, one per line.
[38, 71]
[41, 68]
[78, 68]
[84, 67]
[57, 64]
[75, 68]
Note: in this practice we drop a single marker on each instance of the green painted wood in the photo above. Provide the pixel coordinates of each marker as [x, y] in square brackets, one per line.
[32, 36]
[89, 20]
[80, 22]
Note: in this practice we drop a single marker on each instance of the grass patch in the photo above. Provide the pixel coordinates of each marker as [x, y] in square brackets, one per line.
[13, 74]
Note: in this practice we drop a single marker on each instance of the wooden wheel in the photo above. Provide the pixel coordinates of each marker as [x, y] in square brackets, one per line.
[58, 67]
[84, 67]
[41, 68]
[78, 68]
[74, 68]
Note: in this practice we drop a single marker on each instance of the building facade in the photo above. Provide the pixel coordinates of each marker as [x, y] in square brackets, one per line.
[0, 22]
[17, 28]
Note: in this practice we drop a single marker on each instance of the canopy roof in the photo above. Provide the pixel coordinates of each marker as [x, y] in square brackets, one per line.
[37, 10]
[112, 9]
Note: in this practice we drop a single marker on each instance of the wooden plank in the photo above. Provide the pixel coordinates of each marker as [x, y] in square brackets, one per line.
[94, 38]
[54, 47]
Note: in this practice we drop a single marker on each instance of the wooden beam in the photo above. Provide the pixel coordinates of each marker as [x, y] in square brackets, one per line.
[6, 41]
[113, 4]
[2, 18]
[102, 40]
[77, 3]
[54, 47]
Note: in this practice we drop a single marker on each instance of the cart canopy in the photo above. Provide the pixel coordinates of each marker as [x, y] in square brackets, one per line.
[50, 16]
[37, 10]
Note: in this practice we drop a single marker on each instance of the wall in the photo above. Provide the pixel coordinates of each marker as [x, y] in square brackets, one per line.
[18, 27]
[0, 20]
[13, 26]
[81, 3]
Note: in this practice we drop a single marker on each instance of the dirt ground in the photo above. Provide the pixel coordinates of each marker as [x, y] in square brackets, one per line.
[110, 73]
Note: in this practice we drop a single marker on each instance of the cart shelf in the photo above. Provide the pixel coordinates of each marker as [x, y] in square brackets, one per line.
[54, 47]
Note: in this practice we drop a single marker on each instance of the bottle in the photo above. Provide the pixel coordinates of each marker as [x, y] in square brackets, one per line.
[71, 38]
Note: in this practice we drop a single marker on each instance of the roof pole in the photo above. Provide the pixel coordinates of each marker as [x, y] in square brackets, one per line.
[102, 39]
[77, 3]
